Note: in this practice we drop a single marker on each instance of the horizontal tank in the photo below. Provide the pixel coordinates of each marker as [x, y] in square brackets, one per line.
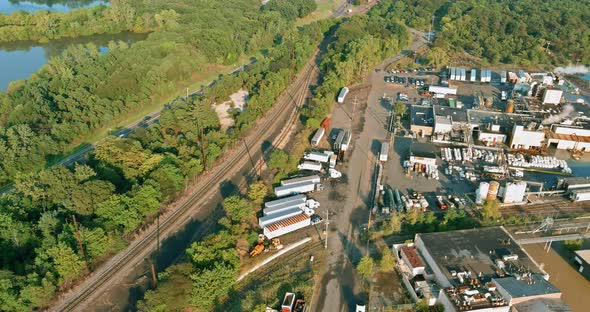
[482, 192]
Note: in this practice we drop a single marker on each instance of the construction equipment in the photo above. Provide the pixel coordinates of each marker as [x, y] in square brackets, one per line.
[257, 250]
[276, 243]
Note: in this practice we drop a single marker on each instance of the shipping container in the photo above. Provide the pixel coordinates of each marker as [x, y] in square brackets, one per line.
[286, 226]
[317, 137]
[310, 165]
[311, 178]
[276, 217]
[383, 155]
[346, 141]
[342, 95]
[339, 139]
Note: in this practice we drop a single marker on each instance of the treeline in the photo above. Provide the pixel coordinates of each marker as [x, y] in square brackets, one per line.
[127, 181]
[360, 43]
[506, 31]
[43, 25]
[83, 90]
[292, 9]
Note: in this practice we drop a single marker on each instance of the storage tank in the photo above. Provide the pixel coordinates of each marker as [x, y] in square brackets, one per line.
[482, 192]
[493, 190]
[510, 106]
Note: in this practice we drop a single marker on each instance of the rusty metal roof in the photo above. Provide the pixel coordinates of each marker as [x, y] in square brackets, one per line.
[287, 222]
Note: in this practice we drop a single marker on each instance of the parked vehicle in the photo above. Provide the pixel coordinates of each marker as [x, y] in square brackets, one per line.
[318, 156]
[298, 188]
[440, 202]
[342, 95]
[310, 165]
[317, 137]
[286, 226]
[311, 178]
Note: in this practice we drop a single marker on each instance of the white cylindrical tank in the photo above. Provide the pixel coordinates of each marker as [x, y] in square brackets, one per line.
[481, 192]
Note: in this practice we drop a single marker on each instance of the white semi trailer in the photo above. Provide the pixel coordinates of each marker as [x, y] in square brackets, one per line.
[312, 178]
[310, 165]
[297, 188]
[288, 225]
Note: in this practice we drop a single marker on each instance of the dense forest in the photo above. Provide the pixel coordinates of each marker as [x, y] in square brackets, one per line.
[125, 181]
[84, 90]
[506, 31]
[121, 15]
[207, 280]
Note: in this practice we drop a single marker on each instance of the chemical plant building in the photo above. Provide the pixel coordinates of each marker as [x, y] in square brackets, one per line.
[481, 269]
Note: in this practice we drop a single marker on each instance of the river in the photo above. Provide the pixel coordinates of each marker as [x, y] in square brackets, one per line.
[9, 6]
[18, 60]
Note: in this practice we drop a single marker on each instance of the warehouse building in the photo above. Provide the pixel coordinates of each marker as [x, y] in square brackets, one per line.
[423, 153]
[422, 121]
[480, 269]
[448, 118]
[552, 96]
[526, 137]
[582, 260]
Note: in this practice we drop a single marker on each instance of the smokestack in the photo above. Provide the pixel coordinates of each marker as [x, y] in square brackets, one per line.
[565, 112]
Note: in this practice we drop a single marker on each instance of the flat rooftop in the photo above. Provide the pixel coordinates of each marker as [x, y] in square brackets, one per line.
[476, 251]
[456, 114]
[584, 255]
[577, 180]
[534, 285]
[422, 116]
[412, 256]
[542, 305]
[425, 150]
[483, 118]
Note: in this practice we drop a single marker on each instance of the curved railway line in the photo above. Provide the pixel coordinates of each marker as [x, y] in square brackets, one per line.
[281, 116]
[558, 207]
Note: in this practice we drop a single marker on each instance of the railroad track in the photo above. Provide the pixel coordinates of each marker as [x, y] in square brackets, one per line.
[280, 262]
[550, 208]
[145, 244]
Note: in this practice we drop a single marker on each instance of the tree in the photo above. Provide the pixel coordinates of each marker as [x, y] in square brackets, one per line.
[278, 160]
[491, 210]
[573, 244]
[400, 109]
[62, 260]
[237, 209]
[365, 267]
[257, 192]
[211, 284]
[387, 261]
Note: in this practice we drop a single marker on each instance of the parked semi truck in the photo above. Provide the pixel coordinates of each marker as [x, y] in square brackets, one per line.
[311, 178]
[298, 188]
[318, 156]
[310, 165]
[317, 137]
[287, 225]
[294, 200]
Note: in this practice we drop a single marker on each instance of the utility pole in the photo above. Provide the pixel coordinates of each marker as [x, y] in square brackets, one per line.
[327, 223]
[154, 279]
[79, 238]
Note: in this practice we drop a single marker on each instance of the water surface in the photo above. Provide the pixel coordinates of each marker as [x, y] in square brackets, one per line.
[18, 60]
[10, 6]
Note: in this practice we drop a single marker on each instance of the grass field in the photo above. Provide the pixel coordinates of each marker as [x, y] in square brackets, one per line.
[324, 10]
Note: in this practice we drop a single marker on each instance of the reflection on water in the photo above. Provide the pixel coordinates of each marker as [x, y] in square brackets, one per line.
[9, 6]
[575, 288]
[18, 60]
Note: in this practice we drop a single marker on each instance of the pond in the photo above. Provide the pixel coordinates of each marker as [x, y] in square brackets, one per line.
[9, 6]
[18, 60]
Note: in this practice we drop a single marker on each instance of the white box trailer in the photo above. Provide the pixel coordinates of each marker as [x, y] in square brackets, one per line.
[503, 77]
[296, 199]
[287, 226]
[473, 77]
[342, 95]
[333, 159]
[284, 207]
[453, 73]
[463, 74]
[317, 137]
[310, 165]
[346, 141]
[276, 217]
[299, 188]
[311, 178]
[383, 155]
[581, 194]
[318, 156]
